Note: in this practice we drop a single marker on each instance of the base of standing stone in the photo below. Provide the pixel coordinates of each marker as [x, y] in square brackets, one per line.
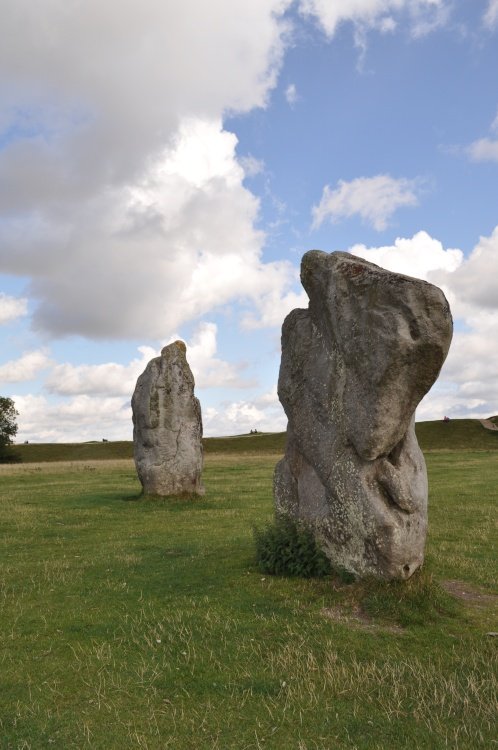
[369, 517]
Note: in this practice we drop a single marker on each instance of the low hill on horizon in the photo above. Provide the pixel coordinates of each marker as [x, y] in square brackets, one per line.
[457, 434]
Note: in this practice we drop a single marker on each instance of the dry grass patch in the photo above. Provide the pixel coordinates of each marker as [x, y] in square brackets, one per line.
[355, 617]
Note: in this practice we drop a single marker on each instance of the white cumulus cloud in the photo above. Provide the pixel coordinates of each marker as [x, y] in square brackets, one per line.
[77, 419]
[264, 413]
[93, 90]
[113, 379]
[121, 196]
[416, 256]
[140, 260]
[107, 379]
[209, 370]
[27, 367]
[474, 283]
[12, 308]
[274, 306]
[374, 199]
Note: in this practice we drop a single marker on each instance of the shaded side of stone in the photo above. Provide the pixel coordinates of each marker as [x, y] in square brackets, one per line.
[354, 367]
[167, 426]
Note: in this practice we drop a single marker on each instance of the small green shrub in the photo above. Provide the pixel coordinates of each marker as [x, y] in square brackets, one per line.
[288, 548]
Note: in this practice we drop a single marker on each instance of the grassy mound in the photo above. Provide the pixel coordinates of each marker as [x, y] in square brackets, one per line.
[457, 434]
[41, 452]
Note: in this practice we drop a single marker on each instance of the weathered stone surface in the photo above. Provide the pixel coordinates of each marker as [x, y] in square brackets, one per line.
[354, 367]
[167, 426]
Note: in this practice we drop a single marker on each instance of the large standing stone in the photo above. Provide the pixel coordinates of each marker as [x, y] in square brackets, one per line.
[167, 426]
[354, 367]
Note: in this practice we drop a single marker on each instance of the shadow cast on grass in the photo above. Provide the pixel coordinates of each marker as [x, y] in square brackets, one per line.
[184, 501]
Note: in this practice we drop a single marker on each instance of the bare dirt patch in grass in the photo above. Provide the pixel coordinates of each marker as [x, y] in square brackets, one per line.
[357, 618]
[468, 593]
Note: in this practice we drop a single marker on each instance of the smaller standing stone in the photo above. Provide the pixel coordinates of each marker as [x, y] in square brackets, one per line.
[167, 426]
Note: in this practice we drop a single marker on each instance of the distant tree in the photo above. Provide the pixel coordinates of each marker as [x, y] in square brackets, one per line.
[8, 425]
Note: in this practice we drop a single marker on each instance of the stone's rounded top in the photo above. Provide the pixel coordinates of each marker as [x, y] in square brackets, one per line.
[317, 267]
[350, 266]
[311, 258]
[339, 262]
[179, 344]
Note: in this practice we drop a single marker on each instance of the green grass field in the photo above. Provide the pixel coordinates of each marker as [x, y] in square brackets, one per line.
[128, 623]
[459, 434]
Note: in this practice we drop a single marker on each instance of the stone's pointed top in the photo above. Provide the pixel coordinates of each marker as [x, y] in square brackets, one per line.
[179, 344]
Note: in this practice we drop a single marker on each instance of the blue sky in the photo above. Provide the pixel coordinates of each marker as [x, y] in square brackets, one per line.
[164, 166]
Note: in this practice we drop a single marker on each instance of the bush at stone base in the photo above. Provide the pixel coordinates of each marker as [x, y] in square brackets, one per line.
[288, 548]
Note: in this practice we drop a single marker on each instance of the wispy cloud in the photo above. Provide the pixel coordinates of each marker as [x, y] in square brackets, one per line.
[374, 199]
[25, 368]
[291, 94]
[485, 149]
[425, 15]
[490, 17]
